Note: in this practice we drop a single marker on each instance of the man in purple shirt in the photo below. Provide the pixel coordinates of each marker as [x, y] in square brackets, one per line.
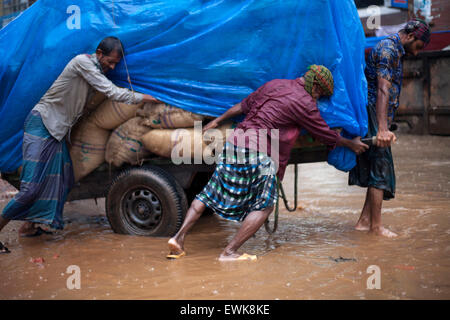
[243, 187]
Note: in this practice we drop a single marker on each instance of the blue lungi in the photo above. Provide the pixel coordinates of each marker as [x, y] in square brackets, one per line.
[46, 178]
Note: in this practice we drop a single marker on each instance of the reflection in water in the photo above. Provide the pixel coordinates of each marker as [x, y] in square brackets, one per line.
[315, 254]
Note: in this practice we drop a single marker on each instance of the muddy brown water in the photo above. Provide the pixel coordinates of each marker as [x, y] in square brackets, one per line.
[297, 262]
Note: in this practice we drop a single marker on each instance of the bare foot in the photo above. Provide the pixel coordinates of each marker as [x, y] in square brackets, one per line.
[362, 225]
[382, 231]
[174, 247]
[27, 229]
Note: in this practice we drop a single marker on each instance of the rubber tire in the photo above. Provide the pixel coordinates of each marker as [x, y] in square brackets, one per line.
[162, 184]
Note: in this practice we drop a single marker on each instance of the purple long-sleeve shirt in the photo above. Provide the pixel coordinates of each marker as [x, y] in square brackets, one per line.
[285, 105]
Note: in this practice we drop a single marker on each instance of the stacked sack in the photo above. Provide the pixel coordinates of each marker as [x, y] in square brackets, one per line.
[120, 134]
[167, 139]
[125, 145]
[164, 116]
[188, 143]
[90, 136]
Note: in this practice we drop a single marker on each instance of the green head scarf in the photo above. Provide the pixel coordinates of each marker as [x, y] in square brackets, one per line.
[322, 76]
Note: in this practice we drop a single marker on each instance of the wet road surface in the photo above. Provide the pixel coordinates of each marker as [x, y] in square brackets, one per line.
[315, 253]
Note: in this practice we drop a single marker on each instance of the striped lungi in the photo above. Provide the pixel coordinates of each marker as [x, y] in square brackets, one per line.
[46, 178]
[244, 181]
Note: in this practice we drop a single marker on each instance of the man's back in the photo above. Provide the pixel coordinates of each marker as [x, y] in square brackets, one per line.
[286, 106]
[63, 103]
[278, 104]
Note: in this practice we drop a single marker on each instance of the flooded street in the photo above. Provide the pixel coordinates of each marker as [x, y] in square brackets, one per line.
[315, 253]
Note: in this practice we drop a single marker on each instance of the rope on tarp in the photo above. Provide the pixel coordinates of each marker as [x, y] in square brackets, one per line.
[123, 53]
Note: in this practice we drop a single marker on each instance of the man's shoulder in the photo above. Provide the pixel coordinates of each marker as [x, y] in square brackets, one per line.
[302, 98]
[385, 51]
[279, 86]
[387, 45]
[83, 56]
[278, 82]
[82, 59]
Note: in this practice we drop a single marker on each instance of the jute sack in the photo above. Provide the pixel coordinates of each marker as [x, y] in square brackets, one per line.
[164, 116]
[87, 149]
[162, 141]
[111, 114]
[124, 144]
[94, 100]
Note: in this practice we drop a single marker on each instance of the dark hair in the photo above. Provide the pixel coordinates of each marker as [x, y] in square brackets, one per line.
[110, 44]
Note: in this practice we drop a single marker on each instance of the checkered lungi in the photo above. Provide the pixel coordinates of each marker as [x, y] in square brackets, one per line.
[244, 181]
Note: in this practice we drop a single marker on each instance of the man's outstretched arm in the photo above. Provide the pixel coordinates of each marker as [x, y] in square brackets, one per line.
[83, 66]
[312, 121]
[355, 144]
[230, 113]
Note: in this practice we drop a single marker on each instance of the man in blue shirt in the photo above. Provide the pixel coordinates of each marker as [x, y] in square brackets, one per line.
[384, 73]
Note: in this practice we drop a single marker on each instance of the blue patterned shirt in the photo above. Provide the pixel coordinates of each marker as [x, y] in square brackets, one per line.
[385, 61]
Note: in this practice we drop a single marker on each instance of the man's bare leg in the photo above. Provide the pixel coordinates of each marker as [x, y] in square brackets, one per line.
[176, 243]
[251, 224]
[376, 201]
[363, 223]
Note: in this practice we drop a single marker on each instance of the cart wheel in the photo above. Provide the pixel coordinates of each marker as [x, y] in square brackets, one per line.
[146, 201]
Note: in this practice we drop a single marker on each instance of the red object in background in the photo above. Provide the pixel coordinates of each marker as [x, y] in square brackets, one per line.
[404, 267]
[438, 41]
[399, 4]
[37, 260]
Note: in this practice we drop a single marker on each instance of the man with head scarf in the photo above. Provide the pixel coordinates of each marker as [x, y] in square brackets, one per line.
[384, 72]
[243, 186]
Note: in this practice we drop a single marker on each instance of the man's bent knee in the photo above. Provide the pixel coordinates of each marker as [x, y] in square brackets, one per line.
[197, 206]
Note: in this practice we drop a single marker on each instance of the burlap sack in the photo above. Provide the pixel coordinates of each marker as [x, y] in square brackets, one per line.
[164, 116]
[111, 114]
[162, 141]
[124, 144]
[87, 148]
[94, 100]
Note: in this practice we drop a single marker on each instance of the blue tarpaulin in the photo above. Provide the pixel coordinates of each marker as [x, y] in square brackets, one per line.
[200, 55]
[372, 41]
